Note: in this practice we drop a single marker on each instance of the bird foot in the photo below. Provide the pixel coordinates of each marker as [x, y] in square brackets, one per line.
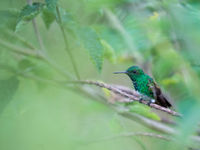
[151, 102]
[140, 100]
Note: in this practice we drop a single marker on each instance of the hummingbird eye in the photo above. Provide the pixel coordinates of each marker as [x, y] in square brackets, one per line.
[134, 71]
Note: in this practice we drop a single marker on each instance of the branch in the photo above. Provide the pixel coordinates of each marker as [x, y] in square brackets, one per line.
[132, 95]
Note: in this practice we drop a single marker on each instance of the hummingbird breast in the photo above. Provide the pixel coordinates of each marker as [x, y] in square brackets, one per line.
[142, 85]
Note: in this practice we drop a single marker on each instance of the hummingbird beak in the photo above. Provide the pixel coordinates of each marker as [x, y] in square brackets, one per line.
[120, 72]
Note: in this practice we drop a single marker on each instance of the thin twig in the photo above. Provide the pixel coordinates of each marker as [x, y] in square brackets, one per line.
[130, 134]
[66, 44]
[22, 40]
[19, 50]
[36, 54]
[133, 96]
[39, 39]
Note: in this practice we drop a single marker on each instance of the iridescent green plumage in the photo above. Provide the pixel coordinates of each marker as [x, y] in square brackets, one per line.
[144, 84]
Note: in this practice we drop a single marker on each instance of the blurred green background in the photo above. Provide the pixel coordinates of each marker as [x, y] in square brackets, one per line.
[46, 43]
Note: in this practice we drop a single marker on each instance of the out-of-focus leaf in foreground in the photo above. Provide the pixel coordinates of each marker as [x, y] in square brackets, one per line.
[8, 19]
[8, 88]
[144, 111]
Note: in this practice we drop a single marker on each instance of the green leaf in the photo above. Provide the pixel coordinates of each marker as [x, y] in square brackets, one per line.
[28, 13]
[7, 90]
[115, 125]
[8, 19]
[25, 65]
[109, 52]
[51, 5]
[92, 43]
[144, 111]
[49, 12]
[48, 17]
[66, 17]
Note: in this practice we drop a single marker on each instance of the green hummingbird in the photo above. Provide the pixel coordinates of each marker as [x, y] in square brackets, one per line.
[144, 84]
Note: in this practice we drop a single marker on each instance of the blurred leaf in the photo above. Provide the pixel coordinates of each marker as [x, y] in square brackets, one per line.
[144, 111]
[109, 52]
[8, 63]
[51, 5]
[138, 37]
[48, 17]
[49, 12]
[25, 65]
[7, 90]
[106, 92]
[112, 37]
[155, 16]
[28, 13]
[115, 125]
[172, 80]
[8, 19]
[67, 18]
[92, 43]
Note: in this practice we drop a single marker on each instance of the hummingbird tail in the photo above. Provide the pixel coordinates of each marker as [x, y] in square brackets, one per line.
[162, 101]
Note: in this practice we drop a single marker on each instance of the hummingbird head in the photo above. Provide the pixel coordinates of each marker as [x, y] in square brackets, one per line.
[133, 72]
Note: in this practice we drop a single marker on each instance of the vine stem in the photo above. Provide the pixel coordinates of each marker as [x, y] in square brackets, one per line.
[66, 44]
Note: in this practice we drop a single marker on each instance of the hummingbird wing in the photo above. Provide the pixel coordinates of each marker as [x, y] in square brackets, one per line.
[158, 95]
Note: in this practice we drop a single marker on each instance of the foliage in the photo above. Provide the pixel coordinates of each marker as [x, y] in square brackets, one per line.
[28, 13]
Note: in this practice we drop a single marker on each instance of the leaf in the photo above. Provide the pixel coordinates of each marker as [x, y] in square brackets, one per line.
[92, 43]
[51, 5]
[7, 90]
[109, 52]
[115, 125]
[175, 79]
[8, 19]
[48, 17]
[49, 12]
[25, 65]
[112, 37]
[144, 111]
[66, 17]
[106, 92]
[28, 13]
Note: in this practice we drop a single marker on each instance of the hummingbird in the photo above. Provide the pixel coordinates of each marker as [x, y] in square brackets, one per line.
[145, 85]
